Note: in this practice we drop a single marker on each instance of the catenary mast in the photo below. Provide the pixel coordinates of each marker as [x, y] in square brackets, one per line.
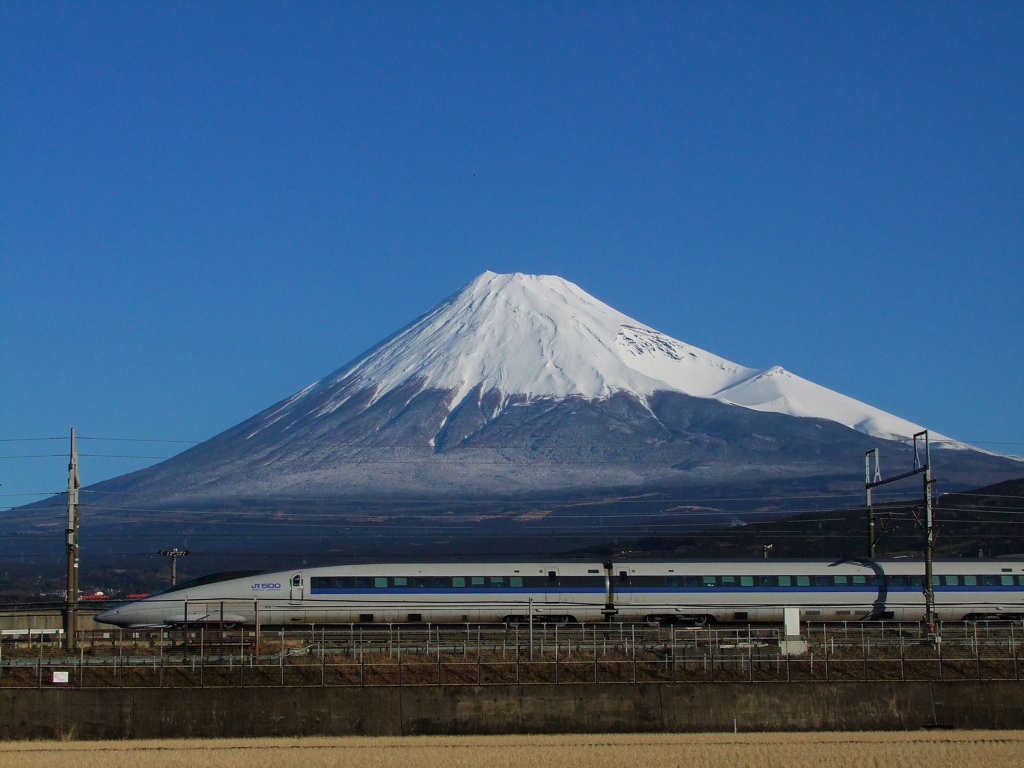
[71, 598]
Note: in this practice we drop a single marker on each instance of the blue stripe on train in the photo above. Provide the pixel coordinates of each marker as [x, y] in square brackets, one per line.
[645, 590]
[452, 591]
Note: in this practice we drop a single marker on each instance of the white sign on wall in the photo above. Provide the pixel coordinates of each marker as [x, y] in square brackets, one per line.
[60, 677]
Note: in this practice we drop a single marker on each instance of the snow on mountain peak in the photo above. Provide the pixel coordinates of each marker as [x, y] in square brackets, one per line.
[534, 335]
[541, 336]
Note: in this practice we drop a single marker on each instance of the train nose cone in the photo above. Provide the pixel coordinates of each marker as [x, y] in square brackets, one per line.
[109, 616]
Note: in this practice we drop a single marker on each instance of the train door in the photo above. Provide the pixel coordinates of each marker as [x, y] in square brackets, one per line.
[623, 590]
[295, 588]
[552, 588]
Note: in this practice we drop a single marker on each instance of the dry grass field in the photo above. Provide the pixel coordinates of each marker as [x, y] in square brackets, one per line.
[956, 749]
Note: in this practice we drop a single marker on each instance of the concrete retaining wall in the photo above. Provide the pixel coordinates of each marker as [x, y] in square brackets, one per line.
[240, 712]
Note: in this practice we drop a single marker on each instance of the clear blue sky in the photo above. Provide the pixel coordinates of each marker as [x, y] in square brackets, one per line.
[206, 206]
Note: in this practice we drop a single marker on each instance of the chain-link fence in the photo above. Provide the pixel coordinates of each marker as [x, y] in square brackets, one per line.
[471, 654]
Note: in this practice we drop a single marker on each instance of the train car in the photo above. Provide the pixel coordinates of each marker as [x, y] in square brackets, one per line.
[696, 592]
[383, 593]
[834, 590]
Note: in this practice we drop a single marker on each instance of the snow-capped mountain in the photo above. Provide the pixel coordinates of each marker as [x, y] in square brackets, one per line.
[520, 415]
[520, 338]
[525, 384]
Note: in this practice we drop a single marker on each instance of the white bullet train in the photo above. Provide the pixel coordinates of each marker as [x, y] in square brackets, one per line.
[696, 592]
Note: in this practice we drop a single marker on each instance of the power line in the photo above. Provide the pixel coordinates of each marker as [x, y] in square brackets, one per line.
[810, 495]
[120, 456]
[139, 440]
[35, 456]
[91, 455]
[28, 439]
[563, 508]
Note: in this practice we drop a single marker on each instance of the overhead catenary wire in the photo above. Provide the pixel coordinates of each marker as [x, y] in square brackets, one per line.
[358, 444]
[588, 504]
[562, 509]
[653, 496]
[140, 440]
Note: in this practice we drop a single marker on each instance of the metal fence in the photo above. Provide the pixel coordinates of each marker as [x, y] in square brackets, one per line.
[470, 654]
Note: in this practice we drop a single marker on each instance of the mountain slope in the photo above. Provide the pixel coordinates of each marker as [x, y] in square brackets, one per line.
[521, 384]
[518, 416]
[520, 338]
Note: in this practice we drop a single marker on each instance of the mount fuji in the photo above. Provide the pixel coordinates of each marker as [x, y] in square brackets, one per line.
[519, 385]
[509, 340]
[520, 415]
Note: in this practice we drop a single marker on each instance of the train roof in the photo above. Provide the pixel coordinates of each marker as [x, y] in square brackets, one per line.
[210, 578]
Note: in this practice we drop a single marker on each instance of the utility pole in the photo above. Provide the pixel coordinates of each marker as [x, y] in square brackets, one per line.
[174, 554]
[922, 466]
[929, 537]
[71, 598]
[870, 480]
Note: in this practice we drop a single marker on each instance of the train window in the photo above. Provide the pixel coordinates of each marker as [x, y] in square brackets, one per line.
[878, 581]
[728, 581]
[672, 581]
[624, 577]
[822, 581]
[841, 581]
[1006, 580]
[380, 582]
[988, 581]
[709, 581]
[319, 582]
[497, 581]
[917, 581]
[584, 581]
[458, 581]
[400, 581]
[952, 581]
[935, 581]
[421, 582]
[785, 581]
[366, 618]
[766, 581]
[746, 581]
[363, 582]
[441, 582]
[803, 581]
[897, 581]
[553, 576]
[691, 581]
[297, 580]
[476, 581]
[970, 581]
[598, 581]
[860, 581]
[515, 581]
[416, 618]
